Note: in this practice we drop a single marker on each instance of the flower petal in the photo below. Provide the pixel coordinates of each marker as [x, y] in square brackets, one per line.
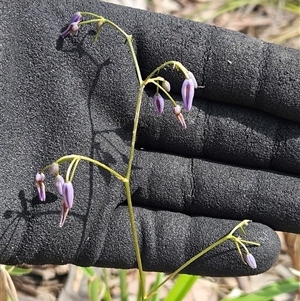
[39, 182]
[251, 261]
[68, 194]
[59, 181]
[187, 92]
[77, 17]
[159, 103]
[73, 27]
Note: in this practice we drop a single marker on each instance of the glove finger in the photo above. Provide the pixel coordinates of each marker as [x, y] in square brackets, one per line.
[200, 187]
[169, 239]
[229, 134]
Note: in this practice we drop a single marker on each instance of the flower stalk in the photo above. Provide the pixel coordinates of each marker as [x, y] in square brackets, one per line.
[64, 184]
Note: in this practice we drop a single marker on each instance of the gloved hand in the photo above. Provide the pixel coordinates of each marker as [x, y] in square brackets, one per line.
[238, 158]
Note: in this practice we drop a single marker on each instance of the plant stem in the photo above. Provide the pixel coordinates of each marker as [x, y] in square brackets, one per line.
[135, 237]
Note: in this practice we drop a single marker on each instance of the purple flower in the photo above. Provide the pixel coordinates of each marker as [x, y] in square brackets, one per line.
[187, 92]
[39, 182]
[159, 103]
[67, 203]
[251, 261]
[73, 27]
[59, 182]
[77, 17]
[68, 194]
[179, 116]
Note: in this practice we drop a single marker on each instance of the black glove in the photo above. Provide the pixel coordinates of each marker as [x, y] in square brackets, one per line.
[238, 158]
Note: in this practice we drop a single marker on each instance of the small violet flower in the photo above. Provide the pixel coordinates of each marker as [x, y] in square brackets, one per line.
[159, 103]
[59, 182]
[77, 17]
[67, 203]
[187, 93]
[179, 116]
[68, 193]
[251, 261]
[73, 25]
[39, 182]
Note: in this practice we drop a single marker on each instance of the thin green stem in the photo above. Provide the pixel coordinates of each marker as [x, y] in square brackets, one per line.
[229, 236]
[127, 36]
[90, 160]
[174, 63]
[135, 237]
[194, 258]
[134, 131]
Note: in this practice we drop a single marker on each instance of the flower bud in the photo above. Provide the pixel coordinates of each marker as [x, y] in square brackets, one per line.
[54, 168]
[59, 182]
[179, 116]
[187, 92]
[159, 103]
[251, 261]
[39, 182]
[166, 85]
[68, 194]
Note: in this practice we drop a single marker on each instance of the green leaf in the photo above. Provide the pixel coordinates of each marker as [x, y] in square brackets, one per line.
[15, 271]
[269, 292]
[158, 280]
[181, 287]
[123, 285]
[95, 288]
[88, 271]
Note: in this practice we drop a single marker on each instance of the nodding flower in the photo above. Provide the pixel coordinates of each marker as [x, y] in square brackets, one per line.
[187, 92]
[159, 103]
[179, 116]
[68, 193]
[73, 25]
[67, 203]
[39, 182]
[251, 261]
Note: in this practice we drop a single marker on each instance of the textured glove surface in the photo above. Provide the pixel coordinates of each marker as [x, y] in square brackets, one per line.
[238, 159]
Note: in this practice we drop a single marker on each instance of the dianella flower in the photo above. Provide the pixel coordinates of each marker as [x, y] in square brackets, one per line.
[39, 182]
[188, 90]
[73, 25]
[179, 116]
[251, 261]
[159, 103]
[59, 182]
[67, 203]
